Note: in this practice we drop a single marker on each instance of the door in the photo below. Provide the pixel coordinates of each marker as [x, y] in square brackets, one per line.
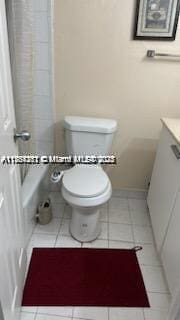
[12, 253]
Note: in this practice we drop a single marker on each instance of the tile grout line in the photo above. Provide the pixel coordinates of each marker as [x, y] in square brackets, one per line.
[108, 313]
[73, 310]
[143, 314]
[36, 313]
[79, 318]
[58, 234]
[54, 315]
[166, 293]
[132, 229]
[105, 239]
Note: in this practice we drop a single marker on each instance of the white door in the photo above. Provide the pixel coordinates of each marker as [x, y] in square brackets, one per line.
[12, 253]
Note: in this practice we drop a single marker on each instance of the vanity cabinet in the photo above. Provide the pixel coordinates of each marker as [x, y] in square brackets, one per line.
[164, 205]
[164, 185]
[170, 253]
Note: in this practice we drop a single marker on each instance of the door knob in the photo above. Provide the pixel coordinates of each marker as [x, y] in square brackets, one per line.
[23, 135]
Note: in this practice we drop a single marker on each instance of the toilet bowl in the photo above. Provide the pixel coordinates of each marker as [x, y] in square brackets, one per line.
[86, 188]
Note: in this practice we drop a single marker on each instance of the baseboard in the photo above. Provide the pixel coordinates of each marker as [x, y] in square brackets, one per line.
[130, 193]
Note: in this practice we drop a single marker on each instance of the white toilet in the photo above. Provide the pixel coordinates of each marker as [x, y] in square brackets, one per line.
[86, 186]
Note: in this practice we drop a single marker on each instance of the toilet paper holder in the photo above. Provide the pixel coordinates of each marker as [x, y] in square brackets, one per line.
[56, 176]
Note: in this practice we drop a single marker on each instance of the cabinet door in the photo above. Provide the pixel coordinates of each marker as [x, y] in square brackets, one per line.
[163, 187]
[171, 249]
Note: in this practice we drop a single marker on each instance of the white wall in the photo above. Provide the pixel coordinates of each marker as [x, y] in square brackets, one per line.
[100, 71]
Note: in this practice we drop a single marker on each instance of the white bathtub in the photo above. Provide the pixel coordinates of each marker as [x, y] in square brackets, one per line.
[35, 189]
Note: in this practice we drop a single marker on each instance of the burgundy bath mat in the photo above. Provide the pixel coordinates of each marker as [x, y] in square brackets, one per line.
[84, 277]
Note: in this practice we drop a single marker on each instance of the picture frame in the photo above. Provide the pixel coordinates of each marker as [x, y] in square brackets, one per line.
[156, 19]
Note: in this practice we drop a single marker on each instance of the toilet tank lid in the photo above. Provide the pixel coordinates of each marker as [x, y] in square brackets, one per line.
[100, 125]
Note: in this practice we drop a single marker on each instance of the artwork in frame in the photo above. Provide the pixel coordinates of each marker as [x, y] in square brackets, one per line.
[156, 19]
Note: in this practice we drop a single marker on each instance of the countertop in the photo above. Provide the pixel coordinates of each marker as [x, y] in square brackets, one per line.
[173, 125]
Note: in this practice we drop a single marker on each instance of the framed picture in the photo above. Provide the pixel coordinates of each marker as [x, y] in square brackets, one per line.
[156, 19]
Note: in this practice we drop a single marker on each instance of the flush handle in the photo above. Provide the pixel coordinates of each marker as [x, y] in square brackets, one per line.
[24, 135]
[175, 151]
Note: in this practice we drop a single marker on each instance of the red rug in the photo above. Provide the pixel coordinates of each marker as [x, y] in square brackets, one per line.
[84, 277]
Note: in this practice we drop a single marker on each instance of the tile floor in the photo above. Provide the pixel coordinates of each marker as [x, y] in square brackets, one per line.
[125, 223]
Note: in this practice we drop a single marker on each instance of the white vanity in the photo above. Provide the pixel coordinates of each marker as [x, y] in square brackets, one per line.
[164, 200]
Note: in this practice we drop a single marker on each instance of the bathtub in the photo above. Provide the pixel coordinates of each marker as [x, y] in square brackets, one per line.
[35, 189]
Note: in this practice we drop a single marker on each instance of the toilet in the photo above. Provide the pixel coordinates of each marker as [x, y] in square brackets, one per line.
[86, 187]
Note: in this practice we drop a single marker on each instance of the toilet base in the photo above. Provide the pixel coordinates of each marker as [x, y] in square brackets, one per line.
[85, 225]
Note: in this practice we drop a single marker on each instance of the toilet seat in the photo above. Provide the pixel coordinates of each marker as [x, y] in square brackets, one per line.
[85, 181]
[91, 202]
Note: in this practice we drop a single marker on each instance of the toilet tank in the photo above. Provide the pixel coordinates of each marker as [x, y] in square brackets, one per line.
[88, 136]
